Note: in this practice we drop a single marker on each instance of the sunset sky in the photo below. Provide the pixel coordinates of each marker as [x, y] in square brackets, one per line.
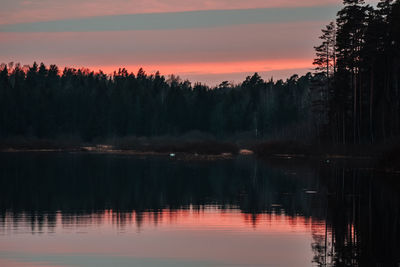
[202, 40]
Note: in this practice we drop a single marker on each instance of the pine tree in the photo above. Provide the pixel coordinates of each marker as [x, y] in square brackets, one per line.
[351, 27]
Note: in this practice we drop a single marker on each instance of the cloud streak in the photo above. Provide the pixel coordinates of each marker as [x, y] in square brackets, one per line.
[177, 20]
[232, 43]
[18, 11]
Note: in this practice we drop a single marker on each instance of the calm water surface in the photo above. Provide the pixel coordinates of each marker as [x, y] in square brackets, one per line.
[64, 209]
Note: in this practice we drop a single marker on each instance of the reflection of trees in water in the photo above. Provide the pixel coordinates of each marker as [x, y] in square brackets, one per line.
[323, 242]
[322, 247]
[362, 213]
[91, 183]
[361, 209]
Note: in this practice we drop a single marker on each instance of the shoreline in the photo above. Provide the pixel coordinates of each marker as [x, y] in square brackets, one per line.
[379, 157]
[116, 151]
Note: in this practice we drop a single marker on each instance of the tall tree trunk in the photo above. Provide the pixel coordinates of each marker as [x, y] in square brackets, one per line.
[396, 104]
[354, 85]
[371, 105]
[360, 117]
[344, 127]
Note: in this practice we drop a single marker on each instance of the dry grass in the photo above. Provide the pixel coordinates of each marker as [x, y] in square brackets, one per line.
[156, 144]
[210, 147]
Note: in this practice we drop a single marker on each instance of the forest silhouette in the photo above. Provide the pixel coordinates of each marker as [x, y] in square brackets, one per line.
[351, 98]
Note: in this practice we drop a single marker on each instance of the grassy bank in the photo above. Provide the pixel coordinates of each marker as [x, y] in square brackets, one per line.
[382, 156]
[162, 145]
[385, 156]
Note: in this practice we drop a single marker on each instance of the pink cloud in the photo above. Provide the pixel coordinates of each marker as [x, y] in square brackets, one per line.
[16, 11]
[222, 44]
[201, 53]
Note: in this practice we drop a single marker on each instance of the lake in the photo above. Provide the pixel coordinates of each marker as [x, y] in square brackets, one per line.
[88, 209]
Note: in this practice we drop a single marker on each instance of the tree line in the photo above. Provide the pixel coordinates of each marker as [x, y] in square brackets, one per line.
[42, 102]
[358, 65]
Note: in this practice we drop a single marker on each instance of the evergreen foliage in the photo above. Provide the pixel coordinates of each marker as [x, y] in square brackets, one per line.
[362, 96]
[44, 103]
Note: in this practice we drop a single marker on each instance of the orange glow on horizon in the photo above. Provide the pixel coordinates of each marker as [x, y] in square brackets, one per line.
[212, 68]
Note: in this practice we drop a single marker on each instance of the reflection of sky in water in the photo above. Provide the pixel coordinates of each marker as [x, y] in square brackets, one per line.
[192, 237]
[84, 209]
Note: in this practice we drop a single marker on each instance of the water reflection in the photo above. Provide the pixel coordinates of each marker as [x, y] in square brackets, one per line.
[157, 211]
[209, 217]
[186, 237]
